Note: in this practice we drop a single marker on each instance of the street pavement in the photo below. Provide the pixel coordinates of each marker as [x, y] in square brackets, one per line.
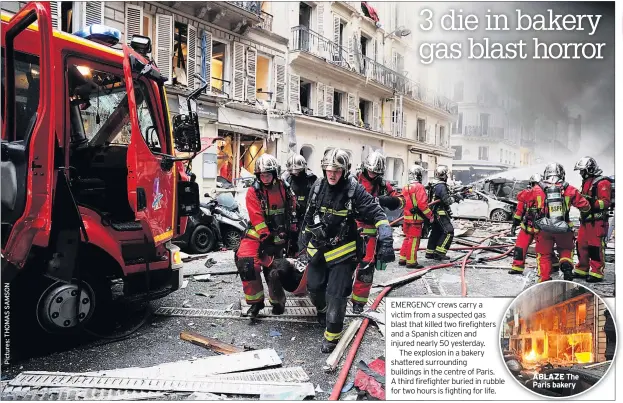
[158, 341]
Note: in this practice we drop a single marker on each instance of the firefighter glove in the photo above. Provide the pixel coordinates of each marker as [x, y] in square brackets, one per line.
[386, 244]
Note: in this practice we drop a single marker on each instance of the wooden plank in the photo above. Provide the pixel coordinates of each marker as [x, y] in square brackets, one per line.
[334, 359]
[209, 343]
[201, 367]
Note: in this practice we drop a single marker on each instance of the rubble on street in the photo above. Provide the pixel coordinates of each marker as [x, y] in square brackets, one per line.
[207, 348]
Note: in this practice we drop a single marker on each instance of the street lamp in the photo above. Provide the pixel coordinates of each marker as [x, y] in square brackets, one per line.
[400, 32]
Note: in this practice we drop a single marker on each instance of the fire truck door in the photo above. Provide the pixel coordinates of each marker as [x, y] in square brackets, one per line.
[151, 184]
[28, 155]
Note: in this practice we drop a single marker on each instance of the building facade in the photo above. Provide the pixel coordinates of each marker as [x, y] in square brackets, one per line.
[284, 78]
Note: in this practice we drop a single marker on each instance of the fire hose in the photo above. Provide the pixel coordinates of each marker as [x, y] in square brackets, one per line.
[352, 352]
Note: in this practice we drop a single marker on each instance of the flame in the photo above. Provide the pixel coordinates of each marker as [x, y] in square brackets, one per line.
[584, 358]
[531, 356]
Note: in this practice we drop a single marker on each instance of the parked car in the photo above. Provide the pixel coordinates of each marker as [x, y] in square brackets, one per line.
[478, 205]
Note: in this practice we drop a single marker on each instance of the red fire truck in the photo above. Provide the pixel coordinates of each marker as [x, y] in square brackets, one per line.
[92, 189]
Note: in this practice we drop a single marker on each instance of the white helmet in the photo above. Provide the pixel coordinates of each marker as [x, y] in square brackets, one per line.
[441, 173]
[534, 179]
[588, 167]
[375, 162]
[336, 159]
[554, 173]
[415, 173]
[296, 163]
[266, 163]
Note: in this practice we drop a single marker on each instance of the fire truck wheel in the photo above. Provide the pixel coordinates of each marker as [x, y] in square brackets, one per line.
[202, 240]
[56, 308]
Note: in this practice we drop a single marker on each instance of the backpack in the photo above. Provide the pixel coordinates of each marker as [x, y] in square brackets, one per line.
[594, 188]
[555, 217]
[352, 185]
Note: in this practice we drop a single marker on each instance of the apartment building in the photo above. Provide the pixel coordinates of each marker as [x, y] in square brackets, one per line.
[348, 86]
[486, 137]
[285, 77]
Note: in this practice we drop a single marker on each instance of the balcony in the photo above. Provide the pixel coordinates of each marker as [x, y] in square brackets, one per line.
[490, 133]
[236, 16]
[267, 21]
[310, 42]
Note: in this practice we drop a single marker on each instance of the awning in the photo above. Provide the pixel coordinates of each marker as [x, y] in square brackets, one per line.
[230, 118]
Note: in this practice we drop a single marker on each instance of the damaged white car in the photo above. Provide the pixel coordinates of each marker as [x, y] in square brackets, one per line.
[480, 206]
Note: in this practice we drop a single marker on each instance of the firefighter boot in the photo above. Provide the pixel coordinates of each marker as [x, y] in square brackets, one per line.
[567, 270]
[255, 309]
[402, 263]
[414, 266]
[276, 292]
[358, 308]
[441, 257]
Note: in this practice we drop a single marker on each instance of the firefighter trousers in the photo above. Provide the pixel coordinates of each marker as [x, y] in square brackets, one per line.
[591, 247]
[329, 288]
[365, 272]
[250, 262]
[411, 243]
[524, 239]
[441, 235]
[545, 243]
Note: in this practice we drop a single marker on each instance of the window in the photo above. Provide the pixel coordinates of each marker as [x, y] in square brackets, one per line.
[263, 78]
[458, 152]
[26, 93]
[421, 130]
[102, 108]
[148, 28]
[306, 97]
[501, 155]
[179, 54]
[305, 15]
[306, 152]
[483, 153]
[338, 98]
[457, 126]
[458, 91]
[442, 136]
[217, 68]
[580, 314]
[484, 124]
[364, 44]
[365, 112]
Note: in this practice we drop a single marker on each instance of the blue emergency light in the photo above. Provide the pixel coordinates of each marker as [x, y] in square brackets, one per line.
[101, 34]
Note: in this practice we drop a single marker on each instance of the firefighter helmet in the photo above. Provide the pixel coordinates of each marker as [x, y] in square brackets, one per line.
[415, 173]
[441, 173]
[375, 162]
[267, 163]
[554, 173]
[534, 179]
[336, 158]
[588, 167]
[296, 163]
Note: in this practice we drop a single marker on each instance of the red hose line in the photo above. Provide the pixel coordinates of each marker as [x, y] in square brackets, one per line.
[352, 352]
[473, 247]
[464, 263]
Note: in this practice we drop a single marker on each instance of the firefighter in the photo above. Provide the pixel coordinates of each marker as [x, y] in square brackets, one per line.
[554, 198]
[273, 219]
[442, 231]
[371, 178]
[593, 224]
[415, 212]
[300, 180]
[526, 213]
[332, 243]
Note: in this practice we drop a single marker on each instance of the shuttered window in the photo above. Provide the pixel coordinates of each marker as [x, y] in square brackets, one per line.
[328, 99]
[164, 45]
[295, 93]
[55, 7]
[280, 82]
[320, 104]
[191, 56]
[251, 74]
[93, 12]
[239, 68]
[133, 21]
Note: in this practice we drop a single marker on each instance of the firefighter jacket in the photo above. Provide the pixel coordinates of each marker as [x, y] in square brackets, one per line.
[416, 204]
[571, 196]
[271, 212]
[598, 193]
[527, 211]
[335, 210]
[438, 190]
[385, 192]
[301, 186]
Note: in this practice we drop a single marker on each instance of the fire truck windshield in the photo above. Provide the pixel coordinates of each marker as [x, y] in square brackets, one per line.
[100, 99]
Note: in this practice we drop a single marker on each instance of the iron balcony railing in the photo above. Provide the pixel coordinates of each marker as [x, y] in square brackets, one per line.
[253, 6]
[480, 131]
[267, 21]
[306, 40]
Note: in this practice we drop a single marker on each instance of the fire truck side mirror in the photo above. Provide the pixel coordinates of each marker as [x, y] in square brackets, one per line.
[186, 133]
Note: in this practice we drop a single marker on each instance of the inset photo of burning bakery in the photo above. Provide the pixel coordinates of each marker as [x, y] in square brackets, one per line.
[558, 339]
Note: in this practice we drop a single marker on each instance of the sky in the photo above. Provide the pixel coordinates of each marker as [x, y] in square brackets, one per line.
[583, 86]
